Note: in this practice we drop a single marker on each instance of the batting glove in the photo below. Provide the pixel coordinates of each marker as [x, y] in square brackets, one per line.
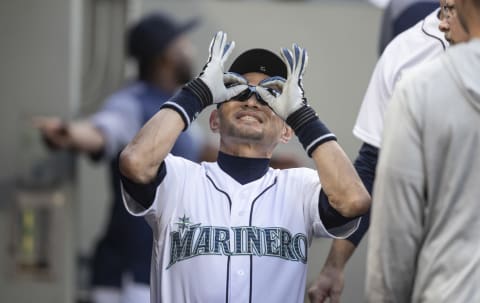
[213, 75]
[292, 93]
[291, 105]
[210, 86]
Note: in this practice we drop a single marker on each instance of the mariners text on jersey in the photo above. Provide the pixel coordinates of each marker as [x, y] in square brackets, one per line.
[193, 240]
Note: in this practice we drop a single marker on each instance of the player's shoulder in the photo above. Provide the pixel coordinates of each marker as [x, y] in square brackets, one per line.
[422, 38]
[181, 163]
[426, 73]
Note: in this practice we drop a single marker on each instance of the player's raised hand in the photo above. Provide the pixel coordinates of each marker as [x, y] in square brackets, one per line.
[211, 86]
[292, 95]
[213, 73]
[291, 104]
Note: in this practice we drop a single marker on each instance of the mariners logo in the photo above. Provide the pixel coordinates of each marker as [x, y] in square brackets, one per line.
[193, 239]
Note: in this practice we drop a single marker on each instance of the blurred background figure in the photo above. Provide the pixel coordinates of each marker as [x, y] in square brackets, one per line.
[164, 56]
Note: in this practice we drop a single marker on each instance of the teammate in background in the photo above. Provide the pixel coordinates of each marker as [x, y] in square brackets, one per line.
[421, 43]
[423, 245]
[236, 229]
[400, 15]
[164, 56]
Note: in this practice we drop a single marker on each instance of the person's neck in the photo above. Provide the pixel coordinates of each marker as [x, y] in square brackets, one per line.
[243, 169]
[475, 31]
[473, 21]
[245, 150]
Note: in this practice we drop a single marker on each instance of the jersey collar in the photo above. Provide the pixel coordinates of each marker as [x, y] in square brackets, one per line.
[243, 170]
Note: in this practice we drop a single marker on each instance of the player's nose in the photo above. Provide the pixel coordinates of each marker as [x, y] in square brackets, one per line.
[444, 26]
[252, 101]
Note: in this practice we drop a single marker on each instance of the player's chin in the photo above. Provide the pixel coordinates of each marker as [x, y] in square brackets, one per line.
[248, 132]
[250, 125]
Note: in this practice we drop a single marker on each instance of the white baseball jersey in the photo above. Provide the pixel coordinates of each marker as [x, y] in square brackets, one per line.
[216, 240]
[420, 43]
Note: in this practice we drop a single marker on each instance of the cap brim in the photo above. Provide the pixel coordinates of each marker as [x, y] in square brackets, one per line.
[259, 60]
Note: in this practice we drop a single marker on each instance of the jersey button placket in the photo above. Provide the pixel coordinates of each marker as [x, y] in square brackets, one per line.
[240, 264]
[241, 209]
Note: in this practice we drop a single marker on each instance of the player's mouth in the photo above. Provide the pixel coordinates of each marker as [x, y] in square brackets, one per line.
[249, 117]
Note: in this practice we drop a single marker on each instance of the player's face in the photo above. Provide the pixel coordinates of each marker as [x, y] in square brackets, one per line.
[250, 121]
[450, 25]
[443, 26]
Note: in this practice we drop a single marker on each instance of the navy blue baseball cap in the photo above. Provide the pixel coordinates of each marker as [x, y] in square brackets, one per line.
[259, 60]
[152, 34]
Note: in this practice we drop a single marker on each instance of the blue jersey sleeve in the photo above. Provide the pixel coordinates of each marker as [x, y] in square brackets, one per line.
[118, 120]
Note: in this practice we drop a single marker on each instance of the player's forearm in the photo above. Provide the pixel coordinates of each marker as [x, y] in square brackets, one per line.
[141, 158]
[84, 137]
[79, 136]
[340, 182]
[330, 281]
[340, 253]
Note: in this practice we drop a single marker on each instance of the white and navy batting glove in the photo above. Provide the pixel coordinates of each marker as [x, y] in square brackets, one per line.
[213, 73]
[210, 86]
[292, 94]
[291, 104]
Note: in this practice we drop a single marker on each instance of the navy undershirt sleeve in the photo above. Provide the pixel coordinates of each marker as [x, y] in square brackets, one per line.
[144, 194]
[365, 164]
[330, 216]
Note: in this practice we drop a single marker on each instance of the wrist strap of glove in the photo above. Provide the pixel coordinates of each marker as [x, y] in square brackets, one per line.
[201, 90]
[311, 132]
[301, 116]
[189, 101]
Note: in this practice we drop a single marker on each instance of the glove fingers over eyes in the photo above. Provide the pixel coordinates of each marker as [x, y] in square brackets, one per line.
[234, 84]
[292, 94]
[212, 74]
[271, 88]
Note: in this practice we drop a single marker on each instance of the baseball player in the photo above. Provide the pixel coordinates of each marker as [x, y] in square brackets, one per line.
[421, 43]
[236, 230]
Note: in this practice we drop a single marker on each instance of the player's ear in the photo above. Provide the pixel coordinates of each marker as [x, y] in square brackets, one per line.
[214, 121]
[287, 133]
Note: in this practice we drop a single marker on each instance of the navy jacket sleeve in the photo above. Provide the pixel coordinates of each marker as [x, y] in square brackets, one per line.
[365, 164]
